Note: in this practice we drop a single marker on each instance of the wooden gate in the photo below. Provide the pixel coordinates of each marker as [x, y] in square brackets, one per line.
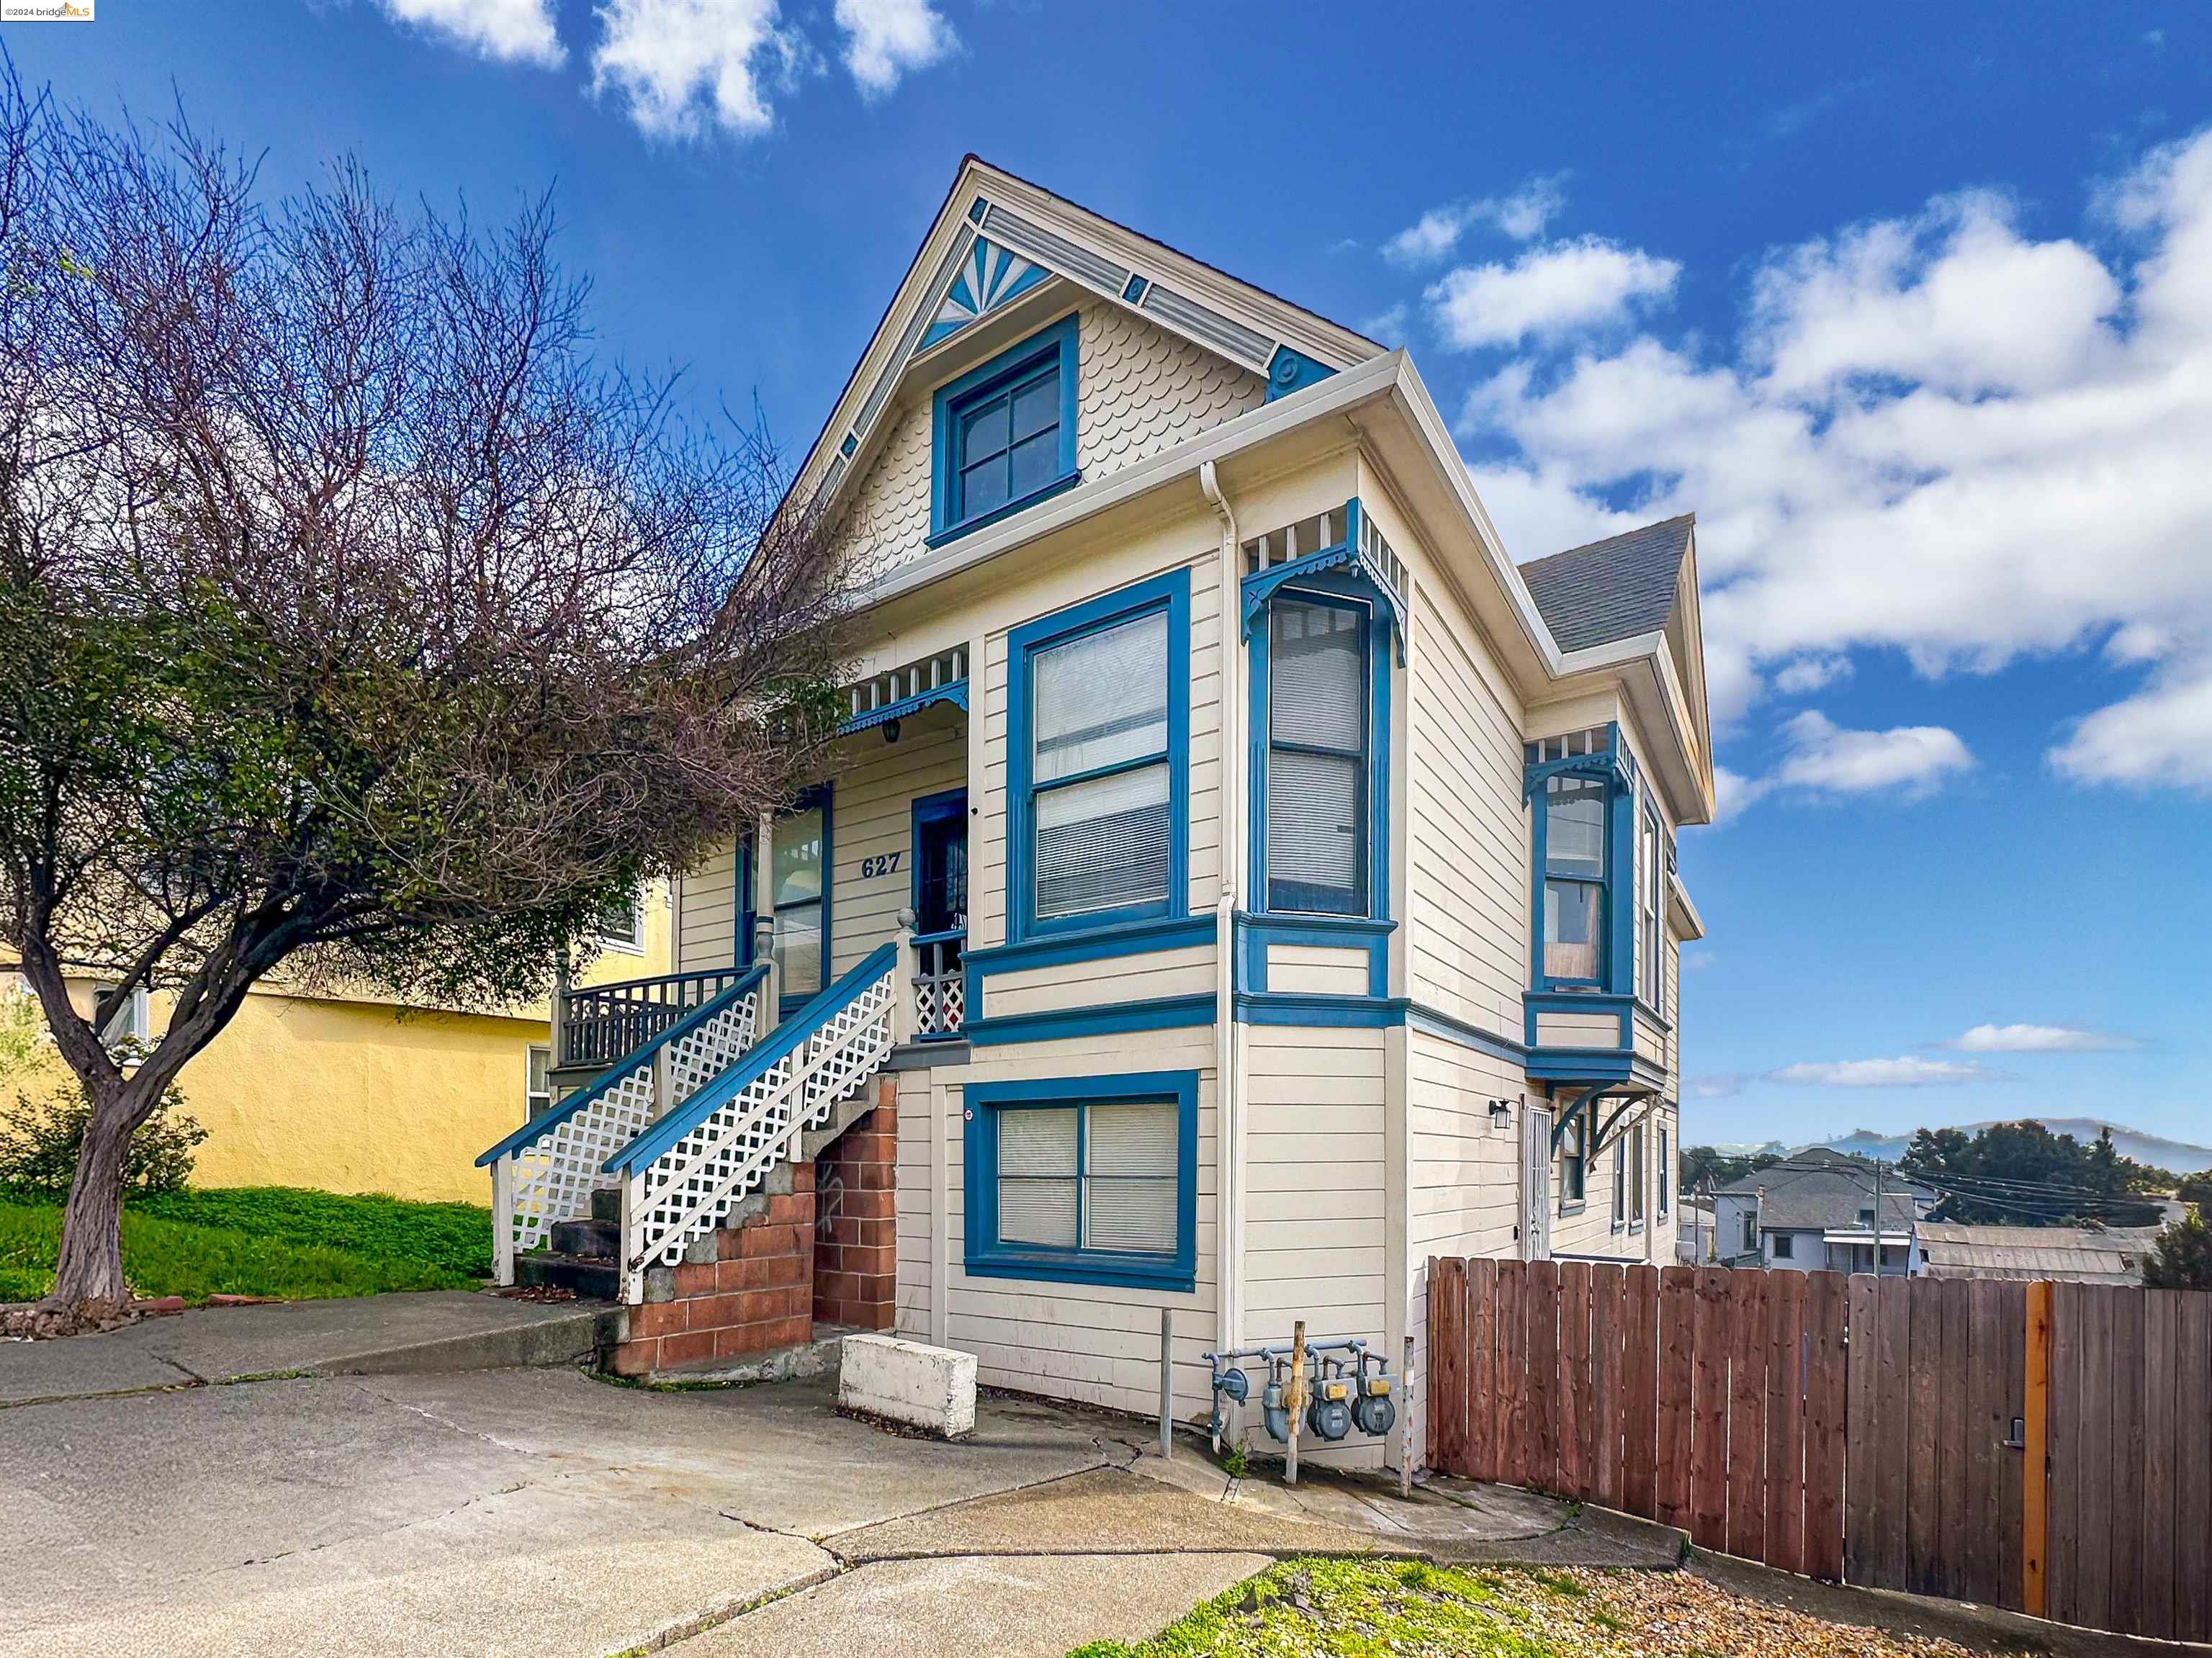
[1878, 1432]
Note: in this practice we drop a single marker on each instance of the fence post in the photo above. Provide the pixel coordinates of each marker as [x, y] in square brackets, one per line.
[2035, 1467]
[502, 1221]
[1295, 1398]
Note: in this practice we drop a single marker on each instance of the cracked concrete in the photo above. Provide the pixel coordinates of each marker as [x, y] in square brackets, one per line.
[536, 1512]
[547, 1512]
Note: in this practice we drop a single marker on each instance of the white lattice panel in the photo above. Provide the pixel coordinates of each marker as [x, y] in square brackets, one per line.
[941, 1005]
[556, 1175]
[689, 1189]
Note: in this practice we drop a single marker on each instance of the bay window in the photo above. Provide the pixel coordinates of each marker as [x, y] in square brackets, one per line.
[1317, 756]
[1574, 879]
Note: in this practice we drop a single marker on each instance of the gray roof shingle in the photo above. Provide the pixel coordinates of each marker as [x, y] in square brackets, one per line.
[1612, 589]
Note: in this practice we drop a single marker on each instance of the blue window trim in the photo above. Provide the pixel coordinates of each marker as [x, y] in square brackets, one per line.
[1350, 593]
[1169, 593]
[988, 1258]
[819, 795]
[981, 382]
[1617, 943]
[1655, 1001]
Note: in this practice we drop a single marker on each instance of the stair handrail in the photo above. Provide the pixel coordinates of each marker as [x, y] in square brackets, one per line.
[823, 1006]
[559, 1113]
[682, 1176]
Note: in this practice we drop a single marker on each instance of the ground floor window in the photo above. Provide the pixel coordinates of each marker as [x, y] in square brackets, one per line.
[1785, 1246]
[537, 1086]
[1090, 1178]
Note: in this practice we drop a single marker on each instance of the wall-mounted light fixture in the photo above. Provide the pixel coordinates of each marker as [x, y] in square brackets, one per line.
[891, 730]
[1501, 1114]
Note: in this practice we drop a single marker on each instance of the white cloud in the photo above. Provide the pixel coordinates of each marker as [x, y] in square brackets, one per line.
[1905, 1071]
[1937, 434]
[1522, 215]
[2162, 735]
[1821, 757]
[680, 64]
[511, 31]
[1808, 674]
[1387, 326]
[1559, 288]
[2037, 1039]
[1824, 757]
[886, 38]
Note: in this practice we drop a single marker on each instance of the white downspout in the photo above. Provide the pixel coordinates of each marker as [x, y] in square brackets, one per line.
[1229, 1105]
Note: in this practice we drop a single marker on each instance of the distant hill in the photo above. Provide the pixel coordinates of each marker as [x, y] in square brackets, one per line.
[2179, 1156]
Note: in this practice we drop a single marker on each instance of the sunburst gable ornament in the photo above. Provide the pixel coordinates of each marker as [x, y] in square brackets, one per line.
[988, 277]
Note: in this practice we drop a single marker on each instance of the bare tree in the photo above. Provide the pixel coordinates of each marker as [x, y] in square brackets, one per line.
[355, 620]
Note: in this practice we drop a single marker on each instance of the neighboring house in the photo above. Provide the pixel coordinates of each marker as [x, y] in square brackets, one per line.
[1240, 881]
[2071, 1255]
[1816, 1212]
[355, 1092]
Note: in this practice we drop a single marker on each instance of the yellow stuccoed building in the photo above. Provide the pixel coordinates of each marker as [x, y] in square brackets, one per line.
[356, 1093]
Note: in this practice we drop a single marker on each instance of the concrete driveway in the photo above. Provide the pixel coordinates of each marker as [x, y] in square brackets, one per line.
[544, 1512]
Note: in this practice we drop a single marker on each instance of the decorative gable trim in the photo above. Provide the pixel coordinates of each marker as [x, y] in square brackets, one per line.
[987, 277]
[996, 254]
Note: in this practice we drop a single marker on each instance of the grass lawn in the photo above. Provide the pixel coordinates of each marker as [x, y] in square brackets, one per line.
[1304, 1608]
[263, 1241]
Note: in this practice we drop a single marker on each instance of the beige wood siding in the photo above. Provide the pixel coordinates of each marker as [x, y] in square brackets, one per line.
[706, 915]
[1097, 1343]
[1317, 970]
[872, 817]
[1095, 984]
[1468, 945]
[1317, 1219]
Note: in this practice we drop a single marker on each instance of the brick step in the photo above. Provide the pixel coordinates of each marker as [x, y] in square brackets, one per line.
[597, 1239]
[592, 1277]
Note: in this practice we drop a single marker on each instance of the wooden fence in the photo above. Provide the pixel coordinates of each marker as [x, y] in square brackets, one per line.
[1877, 1432]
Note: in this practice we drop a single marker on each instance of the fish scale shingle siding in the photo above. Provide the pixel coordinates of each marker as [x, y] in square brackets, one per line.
[1139, 389]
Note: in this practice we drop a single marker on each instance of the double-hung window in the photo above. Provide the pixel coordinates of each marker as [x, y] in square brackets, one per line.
[1084, 1179]
[1100, 750]
[799, 858]
[1574, 879]
[1635, 1138]
[1318, 740]
[1666, 1173]
[1006, 434]
[1574, 1161]
[1619, 1181]
[1650, 909]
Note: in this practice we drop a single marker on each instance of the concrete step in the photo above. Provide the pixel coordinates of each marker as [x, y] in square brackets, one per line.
[597, 1238]
[591, 1278]
[808, 1358]
[607, 1207]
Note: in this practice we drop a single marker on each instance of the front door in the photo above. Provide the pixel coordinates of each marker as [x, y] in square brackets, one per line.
[940, 909]
[940, 863]
[1535, 1183]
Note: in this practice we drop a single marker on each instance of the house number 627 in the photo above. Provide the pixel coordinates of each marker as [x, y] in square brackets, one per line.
[886, 865]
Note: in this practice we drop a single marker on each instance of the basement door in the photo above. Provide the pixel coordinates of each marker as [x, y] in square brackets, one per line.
[1535, 1183]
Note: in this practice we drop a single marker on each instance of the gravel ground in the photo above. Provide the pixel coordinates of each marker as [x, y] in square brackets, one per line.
[1675, 1615]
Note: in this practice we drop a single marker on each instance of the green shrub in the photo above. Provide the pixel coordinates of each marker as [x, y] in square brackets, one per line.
[40, 1137]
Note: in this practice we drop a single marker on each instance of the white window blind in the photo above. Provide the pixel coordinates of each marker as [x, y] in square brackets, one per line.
[1093, 1176]
[1317, 757]
[1099, 768]
[1129, 1188]
[1037, 1177]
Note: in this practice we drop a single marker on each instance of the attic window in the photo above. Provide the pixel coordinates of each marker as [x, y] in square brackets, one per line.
[1006, 434]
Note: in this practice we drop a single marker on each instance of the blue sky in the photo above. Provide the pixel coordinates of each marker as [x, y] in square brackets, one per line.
[1912, 304]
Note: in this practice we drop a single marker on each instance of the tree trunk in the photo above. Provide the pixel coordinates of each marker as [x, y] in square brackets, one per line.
[91, 1264]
